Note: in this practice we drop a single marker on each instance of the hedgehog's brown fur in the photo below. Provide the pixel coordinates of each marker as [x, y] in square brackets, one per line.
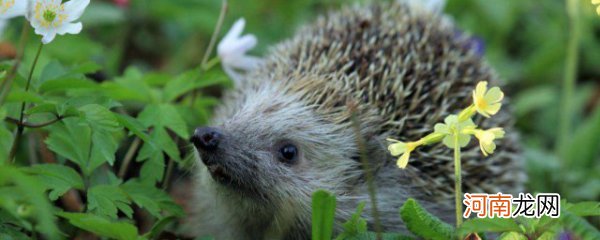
[406, 69]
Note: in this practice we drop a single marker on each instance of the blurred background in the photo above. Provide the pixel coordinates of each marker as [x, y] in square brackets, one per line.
[525, 40]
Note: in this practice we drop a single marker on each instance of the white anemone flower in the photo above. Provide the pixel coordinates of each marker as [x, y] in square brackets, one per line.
[51, 17]
[232, 51]
[12, 8]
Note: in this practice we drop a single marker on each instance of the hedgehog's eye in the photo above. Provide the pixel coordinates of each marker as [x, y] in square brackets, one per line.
[288, 153]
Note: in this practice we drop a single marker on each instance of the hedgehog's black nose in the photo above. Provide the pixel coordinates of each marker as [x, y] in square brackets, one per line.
[206, 138]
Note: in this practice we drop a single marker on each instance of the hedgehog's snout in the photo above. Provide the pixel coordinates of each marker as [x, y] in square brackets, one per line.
[207, 139]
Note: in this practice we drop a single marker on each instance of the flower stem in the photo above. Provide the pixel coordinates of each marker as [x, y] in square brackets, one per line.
[457, 182]
[7, 81]
[570, 74]
[21, 127]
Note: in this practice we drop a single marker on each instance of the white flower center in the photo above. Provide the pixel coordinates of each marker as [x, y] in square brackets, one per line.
[49, 14]
[5, 5]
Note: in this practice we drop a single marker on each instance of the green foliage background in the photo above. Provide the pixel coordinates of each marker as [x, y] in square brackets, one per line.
[128, 92]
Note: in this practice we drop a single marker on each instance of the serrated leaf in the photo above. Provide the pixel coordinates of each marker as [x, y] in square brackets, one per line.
[100, 118]
[153, 169]
[58, 178]
[134, 126]
[160, 138]
[323, 214]
[151, 198]
[422, 223]
[103, 149]
[101, 226]
[107, 200]
[164, 115]
[60, 141]
[490, 225]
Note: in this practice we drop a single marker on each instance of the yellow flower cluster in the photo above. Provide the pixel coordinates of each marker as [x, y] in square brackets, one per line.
[597, 2]
[458, 129]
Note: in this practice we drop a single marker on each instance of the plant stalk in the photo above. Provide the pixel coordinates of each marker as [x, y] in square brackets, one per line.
[457, 182]
[7, 81]
[368, 172]
[570, 75]
[20, 127]
[128, 157]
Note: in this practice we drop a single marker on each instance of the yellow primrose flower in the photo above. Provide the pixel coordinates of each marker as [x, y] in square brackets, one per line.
[398, 148]
[596, 2]
[486, 102]
[453, 126]
[486, 139]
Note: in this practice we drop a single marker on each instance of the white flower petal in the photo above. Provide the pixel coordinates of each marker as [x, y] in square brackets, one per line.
[242, 62]
[18, 9]
[75, 9]
[48, 37]
[235, 31]
[71, 28]
[246, 43]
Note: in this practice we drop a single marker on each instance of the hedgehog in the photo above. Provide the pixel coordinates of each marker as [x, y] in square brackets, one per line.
[295, 124]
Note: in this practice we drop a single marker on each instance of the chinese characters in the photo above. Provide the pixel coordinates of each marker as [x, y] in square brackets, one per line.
[506, 206]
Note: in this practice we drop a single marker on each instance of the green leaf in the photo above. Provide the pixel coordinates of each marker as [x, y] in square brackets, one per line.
[490, 225]
[8, 232]
[42, 108]
[53, 70]
[58, 178]
[422, 223]
[164, 115]
[30, 190]
[23, 96]
[159, 226]
[584, 147]
[160, 138]
[102, 226]
[6, 140]
[104, 146]
[512, 236]
[107, 200]
[186, 82]
[583, 209]
[150, 198]
[355, 225]
[86, 67]
[100, 118]
[323, 213]
[134, 126]
[579, 226]
[66, 84]
[60, 141]
[153, 169]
